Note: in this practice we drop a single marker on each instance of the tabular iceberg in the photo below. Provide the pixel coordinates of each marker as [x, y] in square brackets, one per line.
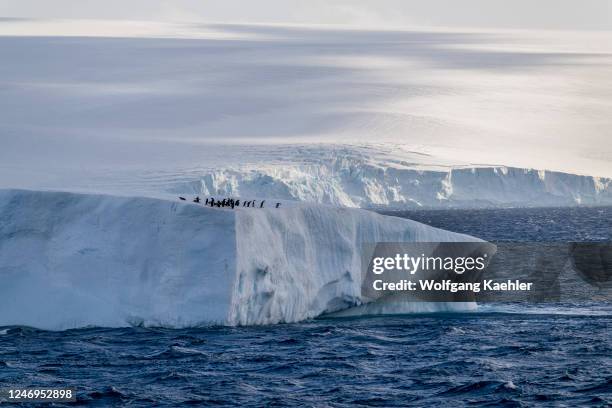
[72, 260]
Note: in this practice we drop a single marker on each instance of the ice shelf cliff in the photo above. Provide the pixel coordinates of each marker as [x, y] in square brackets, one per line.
[356, 183]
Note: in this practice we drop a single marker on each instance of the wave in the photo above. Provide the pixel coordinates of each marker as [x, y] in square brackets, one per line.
[585, 309]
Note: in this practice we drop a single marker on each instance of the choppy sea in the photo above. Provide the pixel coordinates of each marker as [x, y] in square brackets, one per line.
[501, 355]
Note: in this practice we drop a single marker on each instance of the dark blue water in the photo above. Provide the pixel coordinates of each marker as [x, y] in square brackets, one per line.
[522, 224]
[503, 355]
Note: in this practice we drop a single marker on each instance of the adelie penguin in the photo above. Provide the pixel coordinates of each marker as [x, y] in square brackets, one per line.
[182, 199]
[196, 200]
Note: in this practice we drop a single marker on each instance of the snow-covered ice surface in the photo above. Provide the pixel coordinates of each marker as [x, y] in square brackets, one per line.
[72, 260]
[334, 115]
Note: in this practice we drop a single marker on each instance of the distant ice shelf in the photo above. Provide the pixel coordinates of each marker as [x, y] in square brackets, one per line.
[359, 181]
[355, 176]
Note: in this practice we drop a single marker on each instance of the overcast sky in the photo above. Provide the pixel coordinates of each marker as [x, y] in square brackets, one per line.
[549, 14]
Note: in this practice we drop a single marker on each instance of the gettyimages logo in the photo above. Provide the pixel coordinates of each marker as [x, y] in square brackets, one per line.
[412, 264]
[484, 272]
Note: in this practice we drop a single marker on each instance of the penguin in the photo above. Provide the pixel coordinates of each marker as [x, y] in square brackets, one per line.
[261, 205]
[182, 198]
[196, 200]
[277, 205]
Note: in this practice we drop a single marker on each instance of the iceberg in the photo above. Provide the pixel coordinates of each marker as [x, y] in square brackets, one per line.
[71, 260]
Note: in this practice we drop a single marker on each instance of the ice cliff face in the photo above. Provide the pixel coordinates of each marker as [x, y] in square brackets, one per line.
[71, 260]
[303, 262]
[354, 182]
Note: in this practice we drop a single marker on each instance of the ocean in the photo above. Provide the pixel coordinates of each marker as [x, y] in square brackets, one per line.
[549, 354]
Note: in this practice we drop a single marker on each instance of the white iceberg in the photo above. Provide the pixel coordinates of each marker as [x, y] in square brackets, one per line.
[72, 260]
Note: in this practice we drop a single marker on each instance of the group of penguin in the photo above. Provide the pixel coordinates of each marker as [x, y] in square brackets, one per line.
[229, 202]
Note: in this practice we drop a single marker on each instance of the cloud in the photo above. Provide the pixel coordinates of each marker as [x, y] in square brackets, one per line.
[557, 14]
